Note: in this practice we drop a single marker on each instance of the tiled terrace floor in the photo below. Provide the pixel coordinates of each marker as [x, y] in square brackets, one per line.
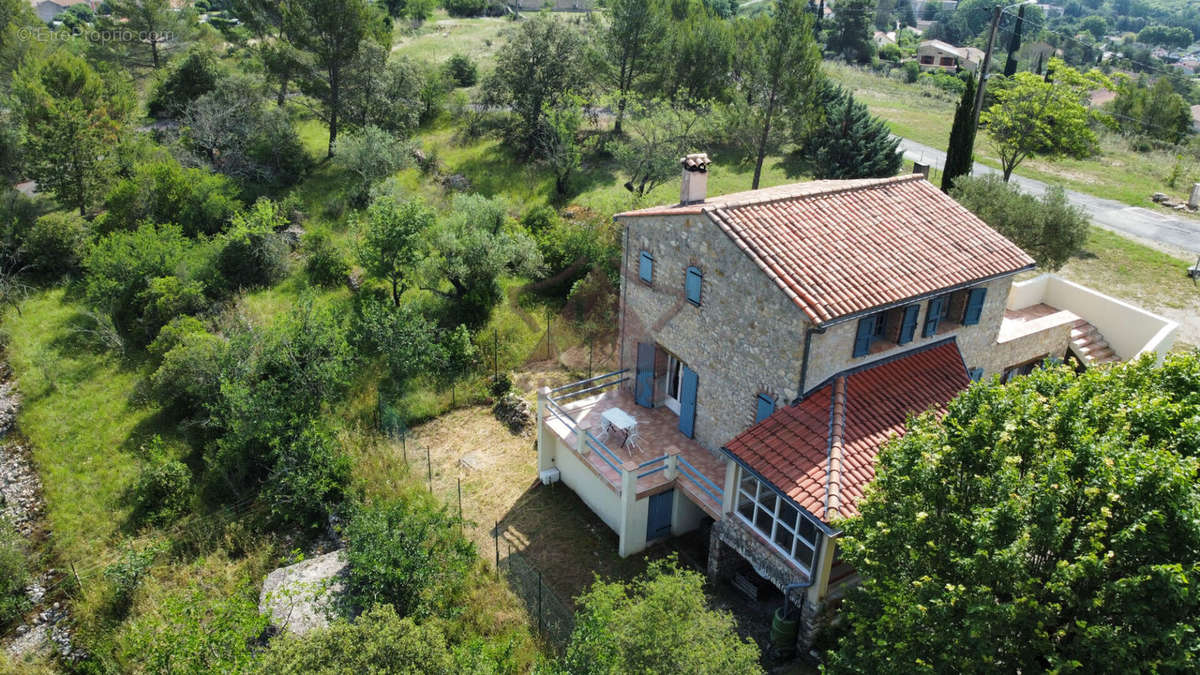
[658, 432]
[1019, 323]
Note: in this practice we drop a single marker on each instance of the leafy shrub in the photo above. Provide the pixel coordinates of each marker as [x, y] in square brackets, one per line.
[167, 298]
[1050, 229]
[253, 254]
[379, 640]
[198, 201]
[890, 52]
[198, 631]
[324, 261]
[407, 553]
[912, 71]
[187, 381]
[660, 622]
[539, 218]
[371, 154]
[501, 384]
[126, 575]
[309, 479]
[54, 246]
[462, 70]
[946, 82]
[192, 77]
[120, 265]
[402, 336]
[465, 8]
[163, 488]
[14, 574]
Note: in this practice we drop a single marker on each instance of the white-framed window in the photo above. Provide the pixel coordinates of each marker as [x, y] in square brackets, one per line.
[790, 532]
[674, 382]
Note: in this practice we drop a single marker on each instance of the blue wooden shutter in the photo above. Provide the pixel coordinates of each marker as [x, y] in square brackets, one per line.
[646, 267]
[687, 402]
[933, 316]
[909, 326]
[976, 374]
[866, 331]
[974, 306]
[693, 285]
[644, 383]
[766, 406]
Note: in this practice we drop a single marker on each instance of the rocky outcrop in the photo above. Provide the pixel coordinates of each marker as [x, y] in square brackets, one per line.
[302, 597]
[515, 412]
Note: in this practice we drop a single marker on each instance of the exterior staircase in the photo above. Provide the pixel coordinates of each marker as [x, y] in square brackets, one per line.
[1089, 345]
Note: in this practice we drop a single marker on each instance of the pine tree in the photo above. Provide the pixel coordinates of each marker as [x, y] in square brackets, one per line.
[1010, 66]
[854, 144]
[960, 155]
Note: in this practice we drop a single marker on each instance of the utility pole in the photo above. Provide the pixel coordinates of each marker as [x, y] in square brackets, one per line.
[983, 70]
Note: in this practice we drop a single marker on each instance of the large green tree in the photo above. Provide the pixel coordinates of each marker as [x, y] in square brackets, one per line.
[851, 143]
[1048, 117]
[850, 33]
[329, 34]
[73, 121]
[777, 74]
[155, 28]
[391, 243]
[1050, 229]
[659, 623]
[960, 152]
[540, 64]
[1048, 525]
[636, 30]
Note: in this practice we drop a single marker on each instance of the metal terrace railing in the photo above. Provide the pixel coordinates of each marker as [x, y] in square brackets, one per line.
[598, 446]
[591, 385]
[700, 480]
[661, 461]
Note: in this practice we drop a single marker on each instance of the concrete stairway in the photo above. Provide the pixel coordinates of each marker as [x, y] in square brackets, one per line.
[1089, 345]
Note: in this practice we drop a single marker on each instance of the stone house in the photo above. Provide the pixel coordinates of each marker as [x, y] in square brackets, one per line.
[772, 341]
[938, 55]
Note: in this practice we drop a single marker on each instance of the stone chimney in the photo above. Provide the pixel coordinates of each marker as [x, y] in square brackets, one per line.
[695, 178]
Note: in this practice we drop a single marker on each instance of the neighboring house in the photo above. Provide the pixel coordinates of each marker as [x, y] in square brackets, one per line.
[1196, 118]
[555, 5]
[882, 39]
[938, 55]
[772, 341]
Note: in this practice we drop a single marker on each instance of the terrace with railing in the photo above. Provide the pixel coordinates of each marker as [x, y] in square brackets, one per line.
[661, 456]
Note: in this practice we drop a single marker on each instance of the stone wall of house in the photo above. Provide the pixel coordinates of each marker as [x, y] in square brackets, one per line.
[745, 338]
[833, 351]
[730, 542]
[1052, 342]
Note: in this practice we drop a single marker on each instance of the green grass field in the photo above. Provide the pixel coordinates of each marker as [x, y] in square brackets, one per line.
[924, 114]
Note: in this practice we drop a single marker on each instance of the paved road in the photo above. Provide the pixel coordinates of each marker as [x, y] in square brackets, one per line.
[1165, 228]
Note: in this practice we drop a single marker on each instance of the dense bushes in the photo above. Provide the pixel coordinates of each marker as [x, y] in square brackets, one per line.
[120, 265]
[409, 554]
[1051, 229]
[163, 488]
[378, 641]
[324, 260]
[462, 70]
[465, 8]
[189, 79]
[187, 380]
[658, 623]
[253, 254]
[198, 201]
[54, 246]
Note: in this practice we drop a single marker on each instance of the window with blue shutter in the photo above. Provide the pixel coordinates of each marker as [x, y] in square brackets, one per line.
[766, 406]
[646, 267]
[693, 285]
[933, 316]
[864, 336]
[974, 306]
[976, 374]
[908, 328]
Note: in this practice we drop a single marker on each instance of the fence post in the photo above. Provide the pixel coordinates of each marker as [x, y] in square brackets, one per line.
[404, 448]
[495, 354]
[460, 513]
[539, 601]
[549, 352]
[496, 541]
[429, 465]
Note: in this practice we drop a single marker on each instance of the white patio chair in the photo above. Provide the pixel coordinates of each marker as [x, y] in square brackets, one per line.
[631, 442]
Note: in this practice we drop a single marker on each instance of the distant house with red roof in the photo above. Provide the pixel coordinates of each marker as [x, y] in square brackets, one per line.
[773, 341]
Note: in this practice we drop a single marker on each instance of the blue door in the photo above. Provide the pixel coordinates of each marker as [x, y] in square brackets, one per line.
[687, 402]
[644, 385]
[658, 523]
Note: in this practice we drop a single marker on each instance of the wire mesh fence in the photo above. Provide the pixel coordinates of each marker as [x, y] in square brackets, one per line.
[551, 616]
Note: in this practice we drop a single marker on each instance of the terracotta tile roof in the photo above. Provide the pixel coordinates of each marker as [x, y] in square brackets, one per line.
[821, 451]
[837, 248]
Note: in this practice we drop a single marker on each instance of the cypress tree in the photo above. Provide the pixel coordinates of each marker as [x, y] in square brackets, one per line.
[1014, 44]
[960, 154]
[854, 144]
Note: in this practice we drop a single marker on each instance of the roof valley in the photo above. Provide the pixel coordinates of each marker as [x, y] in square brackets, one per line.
[837, 422]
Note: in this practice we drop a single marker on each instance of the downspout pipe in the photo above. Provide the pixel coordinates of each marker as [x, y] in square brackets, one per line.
[787, 591]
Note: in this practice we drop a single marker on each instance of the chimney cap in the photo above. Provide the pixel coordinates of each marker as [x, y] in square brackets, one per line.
[697, 161]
